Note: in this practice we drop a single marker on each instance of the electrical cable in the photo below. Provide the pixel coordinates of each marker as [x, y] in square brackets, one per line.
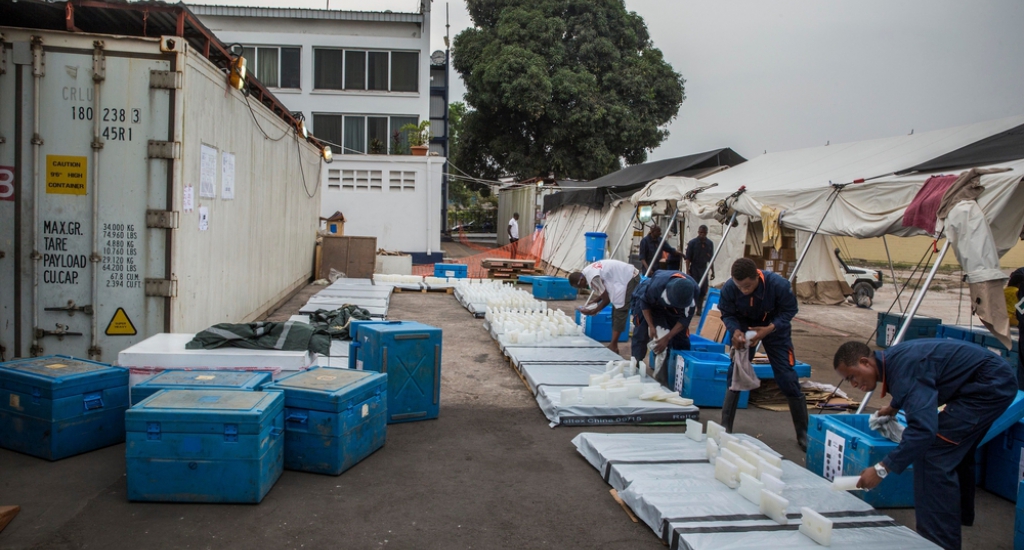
[265, 134]
[319, 177]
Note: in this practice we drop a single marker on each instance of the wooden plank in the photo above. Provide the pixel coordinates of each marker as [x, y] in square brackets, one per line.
[615, 495]
[7, 513]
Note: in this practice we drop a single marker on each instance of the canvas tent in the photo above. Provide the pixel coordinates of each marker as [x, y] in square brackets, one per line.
[798, 183]
[601, 205]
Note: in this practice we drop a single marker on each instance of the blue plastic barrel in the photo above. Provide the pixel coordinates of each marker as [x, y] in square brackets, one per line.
[595, 245]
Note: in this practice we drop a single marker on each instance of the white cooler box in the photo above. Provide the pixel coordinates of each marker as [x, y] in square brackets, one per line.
[165, 351]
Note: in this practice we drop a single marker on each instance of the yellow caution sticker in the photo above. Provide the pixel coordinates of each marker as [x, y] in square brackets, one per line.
[66, 175]
[205, 377]
[121, 325]
[56, 366]
[15, 401]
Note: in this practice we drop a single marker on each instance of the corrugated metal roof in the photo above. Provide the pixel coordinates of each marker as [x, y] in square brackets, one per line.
[306, 13]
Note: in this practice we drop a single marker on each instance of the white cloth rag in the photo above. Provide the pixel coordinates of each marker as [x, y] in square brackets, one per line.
[887, 426]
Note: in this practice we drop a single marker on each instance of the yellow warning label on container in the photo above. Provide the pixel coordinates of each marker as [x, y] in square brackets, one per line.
[205, 377]
[121, 325]
[66, 175]
[56, 366]
[15, 401]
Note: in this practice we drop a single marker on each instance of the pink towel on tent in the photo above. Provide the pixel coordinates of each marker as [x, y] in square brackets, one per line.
[925, 206]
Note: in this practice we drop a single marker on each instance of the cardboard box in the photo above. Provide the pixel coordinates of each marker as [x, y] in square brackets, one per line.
[714, 328]
[757, 261]
[770, 265]
[789, 242]
[788, 254]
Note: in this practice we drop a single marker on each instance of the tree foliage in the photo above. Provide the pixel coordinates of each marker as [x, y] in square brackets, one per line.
[563, 86]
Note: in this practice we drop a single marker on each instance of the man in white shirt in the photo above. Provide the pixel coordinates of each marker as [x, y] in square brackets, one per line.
[612, 282]
[513, 233]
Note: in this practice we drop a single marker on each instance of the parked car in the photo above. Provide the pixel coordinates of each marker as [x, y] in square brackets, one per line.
[862, 280]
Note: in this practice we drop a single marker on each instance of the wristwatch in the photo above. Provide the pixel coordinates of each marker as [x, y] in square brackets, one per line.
[881, 471]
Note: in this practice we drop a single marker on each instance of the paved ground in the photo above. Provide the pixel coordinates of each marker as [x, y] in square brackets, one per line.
[489, 473]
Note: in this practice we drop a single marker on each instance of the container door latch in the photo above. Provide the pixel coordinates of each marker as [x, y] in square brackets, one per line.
[153, 431]
[231, 433]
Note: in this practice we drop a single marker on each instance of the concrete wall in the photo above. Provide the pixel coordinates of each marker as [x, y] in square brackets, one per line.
[908, 250]
[404, 214]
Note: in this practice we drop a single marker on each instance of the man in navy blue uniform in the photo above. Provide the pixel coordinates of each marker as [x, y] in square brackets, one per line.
[649, 245]
[974, 384]
[699, 252]
[1017, 281]
[764, 303]
[664, 300]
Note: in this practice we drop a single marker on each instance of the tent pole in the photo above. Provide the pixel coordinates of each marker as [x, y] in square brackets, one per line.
[911, 311]
[892, 272]
[807, 245]
[718, 249]
[629, 225]
[662, 243]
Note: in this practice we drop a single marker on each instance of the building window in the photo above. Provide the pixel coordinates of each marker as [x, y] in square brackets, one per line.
[401, 180]
[328, 66]
[365, 70]
[362, 134]
[275, 67]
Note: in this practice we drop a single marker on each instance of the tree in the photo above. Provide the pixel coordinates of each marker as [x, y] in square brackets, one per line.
[563, 86]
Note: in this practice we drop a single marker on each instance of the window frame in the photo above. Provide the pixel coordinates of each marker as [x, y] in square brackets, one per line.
[254, 66]
[344, 150]
[388, 73]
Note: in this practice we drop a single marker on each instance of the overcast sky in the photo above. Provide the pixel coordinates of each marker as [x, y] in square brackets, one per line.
[777, 75]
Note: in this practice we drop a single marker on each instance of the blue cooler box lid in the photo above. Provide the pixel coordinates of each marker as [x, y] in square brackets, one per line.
[207, 379]
[355, 324]
[400, 327]
[205, 411]
[59, 376]
[329, 389]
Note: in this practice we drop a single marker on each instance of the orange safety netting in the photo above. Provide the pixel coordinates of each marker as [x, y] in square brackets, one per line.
[529, 247]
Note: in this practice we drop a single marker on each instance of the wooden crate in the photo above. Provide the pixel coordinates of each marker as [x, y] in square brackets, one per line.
[354, 256]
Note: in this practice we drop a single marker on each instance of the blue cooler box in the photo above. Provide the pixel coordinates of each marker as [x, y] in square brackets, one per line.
[599, 327]
[56, 406]
[1003, 462]
[205, 446]
[861, 447]
[889, 325]
[700, 343]
[458, 271]
[410, 354]
[333, 418]
[200, 380]
[553, 288]
[1018, 535]
[701, 376]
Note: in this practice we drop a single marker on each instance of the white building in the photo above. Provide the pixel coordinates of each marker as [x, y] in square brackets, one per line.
[357, 78]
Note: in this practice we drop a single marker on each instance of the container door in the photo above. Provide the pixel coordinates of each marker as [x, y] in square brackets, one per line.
[7, 194]
[84, 251]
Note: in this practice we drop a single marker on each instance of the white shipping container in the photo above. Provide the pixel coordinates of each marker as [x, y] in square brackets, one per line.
[139, 194]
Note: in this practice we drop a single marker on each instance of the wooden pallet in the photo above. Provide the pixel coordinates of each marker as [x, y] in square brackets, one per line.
[508, 263]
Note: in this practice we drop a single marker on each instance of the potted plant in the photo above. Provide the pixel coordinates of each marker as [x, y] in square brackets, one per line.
[376, 147]
[419, 137]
